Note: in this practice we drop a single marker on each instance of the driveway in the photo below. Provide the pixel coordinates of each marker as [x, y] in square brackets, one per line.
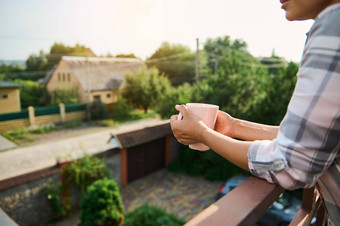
[26, 159]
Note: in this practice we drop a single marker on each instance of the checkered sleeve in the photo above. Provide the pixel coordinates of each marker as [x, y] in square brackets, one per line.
[309, 137]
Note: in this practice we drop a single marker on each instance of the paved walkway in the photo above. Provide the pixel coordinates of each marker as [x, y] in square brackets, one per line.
[26, 159]
[6, 144]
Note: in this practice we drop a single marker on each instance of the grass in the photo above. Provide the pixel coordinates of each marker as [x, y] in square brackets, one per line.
[17, 136]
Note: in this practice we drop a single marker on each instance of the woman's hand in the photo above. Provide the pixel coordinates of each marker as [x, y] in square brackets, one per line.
[190, 129]
[225, 124]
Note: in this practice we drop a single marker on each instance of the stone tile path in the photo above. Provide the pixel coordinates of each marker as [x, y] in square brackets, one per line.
[176, 193]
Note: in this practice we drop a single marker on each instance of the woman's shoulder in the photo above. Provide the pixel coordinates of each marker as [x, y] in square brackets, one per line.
[328, 22]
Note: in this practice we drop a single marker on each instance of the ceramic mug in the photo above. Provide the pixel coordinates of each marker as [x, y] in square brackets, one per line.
[207, 113]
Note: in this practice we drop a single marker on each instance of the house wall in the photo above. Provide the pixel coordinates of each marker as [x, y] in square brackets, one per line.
[9, 100]
[106, 96]
[63, 78]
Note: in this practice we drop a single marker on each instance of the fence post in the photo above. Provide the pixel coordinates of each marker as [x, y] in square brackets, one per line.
[31, 116]
[62, 112]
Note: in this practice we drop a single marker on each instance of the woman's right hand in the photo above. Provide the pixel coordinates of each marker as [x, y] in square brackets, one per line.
[225, 124]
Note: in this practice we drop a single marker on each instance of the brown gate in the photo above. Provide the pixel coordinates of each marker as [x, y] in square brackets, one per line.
[145, 158]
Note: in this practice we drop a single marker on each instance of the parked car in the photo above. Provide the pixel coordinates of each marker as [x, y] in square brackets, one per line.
[280, 213]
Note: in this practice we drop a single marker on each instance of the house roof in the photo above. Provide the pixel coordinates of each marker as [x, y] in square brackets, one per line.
[97, 73]
[4, 84]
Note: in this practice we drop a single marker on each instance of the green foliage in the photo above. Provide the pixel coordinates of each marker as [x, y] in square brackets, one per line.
[36, 63]
[102, 205]
[149, 216]
[60, 207]
[278, 89]
[72, 124]
[181, 95]
[121, 109]
[175, 61]
[85, 171]
[66, 96]
[98, 110]
[209, 164]
[17, 135]
[146, 88]
[31, 94]
[58, 50]
[131, 55]
[44, 129]
[10, 71]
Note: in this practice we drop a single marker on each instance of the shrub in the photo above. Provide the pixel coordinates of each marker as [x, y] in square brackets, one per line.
[102, 204]
[59, 206]
[121, 109]
[98, 110]
[149, 216]
[208, 164]
[85, 171]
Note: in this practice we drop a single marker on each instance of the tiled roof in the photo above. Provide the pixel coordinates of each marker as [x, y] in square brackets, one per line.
[9, 85]
[97, 73]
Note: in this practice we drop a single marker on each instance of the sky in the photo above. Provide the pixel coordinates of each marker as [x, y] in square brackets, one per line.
[140, 26]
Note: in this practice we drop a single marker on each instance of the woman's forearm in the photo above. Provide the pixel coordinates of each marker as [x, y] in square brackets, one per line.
[233, 150]
[251, 131]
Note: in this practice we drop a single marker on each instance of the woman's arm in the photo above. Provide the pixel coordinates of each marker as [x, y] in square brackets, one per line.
[244, 130]
[192, 130]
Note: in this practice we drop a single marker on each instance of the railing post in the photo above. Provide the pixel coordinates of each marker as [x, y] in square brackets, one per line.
[167, 149]
[123, 165]
[31, 116]
[62, 112]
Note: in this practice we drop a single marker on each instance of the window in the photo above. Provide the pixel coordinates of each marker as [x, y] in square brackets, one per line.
[59, 77]
[68, 77]
[108, 95]
[96, 97]
[63, 77]
[4, 96]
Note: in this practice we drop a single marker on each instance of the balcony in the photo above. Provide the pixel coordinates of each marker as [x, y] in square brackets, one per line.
[245, 204]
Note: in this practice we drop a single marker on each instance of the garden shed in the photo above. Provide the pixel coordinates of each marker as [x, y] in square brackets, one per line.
[144, 151]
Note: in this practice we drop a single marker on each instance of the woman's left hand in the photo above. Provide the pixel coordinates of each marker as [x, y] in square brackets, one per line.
[190, 129]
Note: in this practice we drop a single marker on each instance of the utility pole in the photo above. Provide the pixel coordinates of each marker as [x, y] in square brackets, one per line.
[197, 71]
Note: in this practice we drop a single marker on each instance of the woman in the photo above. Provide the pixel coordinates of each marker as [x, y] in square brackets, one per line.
[304, 149]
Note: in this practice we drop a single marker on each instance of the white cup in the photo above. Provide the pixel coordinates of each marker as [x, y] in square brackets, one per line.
[207, 113]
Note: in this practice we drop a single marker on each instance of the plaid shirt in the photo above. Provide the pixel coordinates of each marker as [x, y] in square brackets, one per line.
[306, 150]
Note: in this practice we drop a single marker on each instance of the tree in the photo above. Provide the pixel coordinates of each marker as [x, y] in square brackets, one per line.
[58, 50]
[228, 55]
[175, 61]
[131, 55]
[31, 94]
[36, 63]
[145, 88]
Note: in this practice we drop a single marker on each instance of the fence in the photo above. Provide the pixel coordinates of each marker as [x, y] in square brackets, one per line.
[42, 115]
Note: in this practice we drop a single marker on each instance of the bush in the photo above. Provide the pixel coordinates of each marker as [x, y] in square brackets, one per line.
[149, 216]
[66, 96]
[102, 204]
[85, 171]
[121, 109]
[59, 206]
[98, 110]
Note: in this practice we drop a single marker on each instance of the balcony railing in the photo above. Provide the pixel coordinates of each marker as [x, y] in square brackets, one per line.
[246, 203]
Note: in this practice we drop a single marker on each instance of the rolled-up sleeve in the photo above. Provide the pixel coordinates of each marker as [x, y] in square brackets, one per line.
[309, 137]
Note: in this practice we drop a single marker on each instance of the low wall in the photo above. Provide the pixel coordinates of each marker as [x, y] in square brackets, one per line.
[41, 120]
